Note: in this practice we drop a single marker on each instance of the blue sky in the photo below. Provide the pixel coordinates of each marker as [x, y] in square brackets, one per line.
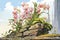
[14, 3]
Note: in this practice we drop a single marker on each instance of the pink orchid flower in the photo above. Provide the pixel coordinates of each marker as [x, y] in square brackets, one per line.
[15, 15]
[27, 11]
[38, 10]
[31, 9]
[44, 6]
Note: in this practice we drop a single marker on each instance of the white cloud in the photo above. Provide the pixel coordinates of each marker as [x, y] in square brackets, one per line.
[8, 6]
[8, 9]
[7, 12]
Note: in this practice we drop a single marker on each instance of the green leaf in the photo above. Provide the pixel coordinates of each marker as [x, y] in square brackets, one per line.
[47, 26]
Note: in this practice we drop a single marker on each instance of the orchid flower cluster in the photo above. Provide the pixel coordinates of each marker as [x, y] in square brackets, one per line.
[29, 15]
[29, 11]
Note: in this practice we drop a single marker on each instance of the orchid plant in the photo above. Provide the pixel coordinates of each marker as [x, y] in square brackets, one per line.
[29, 16]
